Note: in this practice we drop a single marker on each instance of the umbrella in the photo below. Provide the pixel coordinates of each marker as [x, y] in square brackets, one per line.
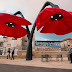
[54, 20]
[11, 25]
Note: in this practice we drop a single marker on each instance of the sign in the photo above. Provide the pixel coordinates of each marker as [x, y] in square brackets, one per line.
[51, 44]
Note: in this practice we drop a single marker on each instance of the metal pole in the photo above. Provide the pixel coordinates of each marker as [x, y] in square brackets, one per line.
[29, 48]
[28, 35]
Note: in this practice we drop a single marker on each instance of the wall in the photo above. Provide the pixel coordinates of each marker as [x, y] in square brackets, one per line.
[37, 54]
[64, 44]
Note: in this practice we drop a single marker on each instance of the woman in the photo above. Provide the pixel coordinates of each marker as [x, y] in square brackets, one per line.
[8, 55]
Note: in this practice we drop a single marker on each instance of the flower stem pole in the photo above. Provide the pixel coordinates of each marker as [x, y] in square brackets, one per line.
[29, 48]
[28, 35]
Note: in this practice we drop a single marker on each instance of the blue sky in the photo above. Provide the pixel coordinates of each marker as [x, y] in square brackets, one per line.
[50, 37]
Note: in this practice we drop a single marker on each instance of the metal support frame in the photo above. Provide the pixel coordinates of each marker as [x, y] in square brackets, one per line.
[29, 48]
[18, 12]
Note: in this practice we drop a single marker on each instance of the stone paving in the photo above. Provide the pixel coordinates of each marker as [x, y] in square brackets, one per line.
[36, 62]
[18, 68]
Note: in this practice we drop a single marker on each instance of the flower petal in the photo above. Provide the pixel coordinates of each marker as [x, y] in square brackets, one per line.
[15, 32]
[14, 19]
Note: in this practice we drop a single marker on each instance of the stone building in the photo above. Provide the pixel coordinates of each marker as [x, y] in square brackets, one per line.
[9, 42]
[64, 44]
[18, 44]
[24, 42]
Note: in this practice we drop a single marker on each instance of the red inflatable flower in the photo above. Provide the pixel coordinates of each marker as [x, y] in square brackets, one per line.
[10, 25]
[70, 13]
[54, 20]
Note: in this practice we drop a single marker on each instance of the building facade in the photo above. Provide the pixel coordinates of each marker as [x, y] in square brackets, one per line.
[9, 42]
[22, 43]
[17, 44]
[64, 44]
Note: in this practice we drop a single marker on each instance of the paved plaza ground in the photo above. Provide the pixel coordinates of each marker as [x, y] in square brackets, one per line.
[36, 65]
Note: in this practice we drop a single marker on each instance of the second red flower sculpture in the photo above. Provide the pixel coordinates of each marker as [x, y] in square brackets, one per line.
[54, 20]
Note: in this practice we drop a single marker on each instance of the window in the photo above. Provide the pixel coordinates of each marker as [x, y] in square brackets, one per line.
[1, 44]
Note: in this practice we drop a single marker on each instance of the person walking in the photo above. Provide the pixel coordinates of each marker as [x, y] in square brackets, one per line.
[12, 54]
[70, 54]
[8, 55]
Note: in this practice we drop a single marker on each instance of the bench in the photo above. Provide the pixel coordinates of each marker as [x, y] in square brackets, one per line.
[46, 57]
[59, 56]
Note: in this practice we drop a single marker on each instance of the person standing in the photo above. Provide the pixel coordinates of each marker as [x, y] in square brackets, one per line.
[8, 55]
[70, 53]
[12, 54]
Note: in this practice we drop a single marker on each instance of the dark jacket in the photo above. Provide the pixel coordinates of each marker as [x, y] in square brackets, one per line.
[13, 52]
[9, 51]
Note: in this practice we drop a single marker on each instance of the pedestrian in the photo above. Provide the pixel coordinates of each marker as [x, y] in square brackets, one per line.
[12, 54]
[70, 53]
[8, 55]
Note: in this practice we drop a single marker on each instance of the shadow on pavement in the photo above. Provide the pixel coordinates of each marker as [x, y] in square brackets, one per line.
[17, 68]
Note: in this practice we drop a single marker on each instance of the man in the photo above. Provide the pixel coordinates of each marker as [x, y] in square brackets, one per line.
[12, 54]
[70, 53]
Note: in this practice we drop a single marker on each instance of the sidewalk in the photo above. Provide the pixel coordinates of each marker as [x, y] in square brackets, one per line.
[36, 62]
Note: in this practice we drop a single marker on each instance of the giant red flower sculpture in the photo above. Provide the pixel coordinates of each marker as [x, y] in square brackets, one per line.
[11, 25]
[70, 13]
[54, 20]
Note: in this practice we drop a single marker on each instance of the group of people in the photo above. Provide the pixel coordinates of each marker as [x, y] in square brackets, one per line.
[12, 53]
[70, 54]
